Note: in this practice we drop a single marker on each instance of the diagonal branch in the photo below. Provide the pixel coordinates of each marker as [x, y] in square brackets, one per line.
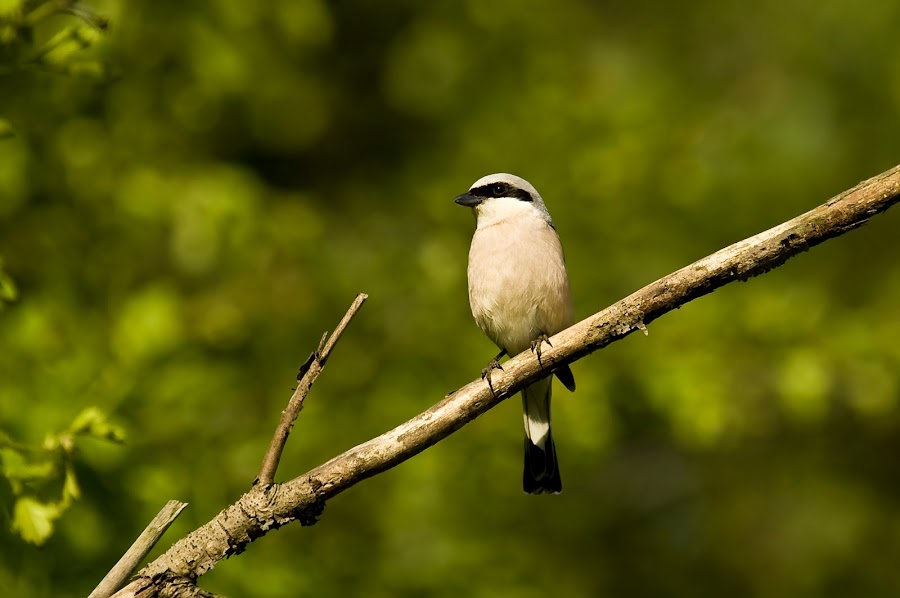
[309, 371]
[263, 509]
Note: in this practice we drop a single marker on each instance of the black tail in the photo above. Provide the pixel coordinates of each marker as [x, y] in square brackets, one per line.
[541, 469]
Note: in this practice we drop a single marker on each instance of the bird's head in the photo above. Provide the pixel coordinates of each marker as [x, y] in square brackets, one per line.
[500, 196]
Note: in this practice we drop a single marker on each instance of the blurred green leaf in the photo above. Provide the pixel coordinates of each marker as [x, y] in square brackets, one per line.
[17, 467]
[69, 40]
[33, 473]
[33, 520]
[71, 491]
[92, 421]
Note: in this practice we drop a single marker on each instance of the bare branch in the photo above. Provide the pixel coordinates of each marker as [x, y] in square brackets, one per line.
[309, 371]
[145, 542]
[263, 509]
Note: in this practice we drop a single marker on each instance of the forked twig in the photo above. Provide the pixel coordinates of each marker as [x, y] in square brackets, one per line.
[307, 375]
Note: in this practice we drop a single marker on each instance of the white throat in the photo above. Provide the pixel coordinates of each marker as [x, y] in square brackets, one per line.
[504, 209]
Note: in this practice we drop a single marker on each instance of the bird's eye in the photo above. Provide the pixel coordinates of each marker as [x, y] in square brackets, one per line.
[499, 189]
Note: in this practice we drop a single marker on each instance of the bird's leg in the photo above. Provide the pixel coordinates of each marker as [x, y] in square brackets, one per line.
[536, 346]
[493, 365]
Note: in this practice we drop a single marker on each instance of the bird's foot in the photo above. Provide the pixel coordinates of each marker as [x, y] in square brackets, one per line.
[536, 346]
[486, 372]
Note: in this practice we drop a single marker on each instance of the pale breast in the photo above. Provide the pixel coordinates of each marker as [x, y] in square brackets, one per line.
[518, 286]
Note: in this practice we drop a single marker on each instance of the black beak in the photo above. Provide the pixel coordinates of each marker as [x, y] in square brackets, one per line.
[468, 200]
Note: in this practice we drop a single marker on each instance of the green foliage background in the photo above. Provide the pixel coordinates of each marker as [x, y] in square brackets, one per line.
[186, 212]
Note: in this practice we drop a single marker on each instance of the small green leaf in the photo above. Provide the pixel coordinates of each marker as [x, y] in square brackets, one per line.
[92, 421]
[67, 42]
[71, 491]
[33, 520]
[17, 467]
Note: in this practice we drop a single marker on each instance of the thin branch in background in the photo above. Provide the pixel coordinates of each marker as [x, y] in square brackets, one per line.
[309, 371]
[122, 570]
[88, 15]
[263, 509]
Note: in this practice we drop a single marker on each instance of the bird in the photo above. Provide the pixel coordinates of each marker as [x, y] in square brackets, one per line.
[519, 296]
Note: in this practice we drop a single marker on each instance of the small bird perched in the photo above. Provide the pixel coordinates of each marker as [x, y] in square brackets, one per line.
[519, 294]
